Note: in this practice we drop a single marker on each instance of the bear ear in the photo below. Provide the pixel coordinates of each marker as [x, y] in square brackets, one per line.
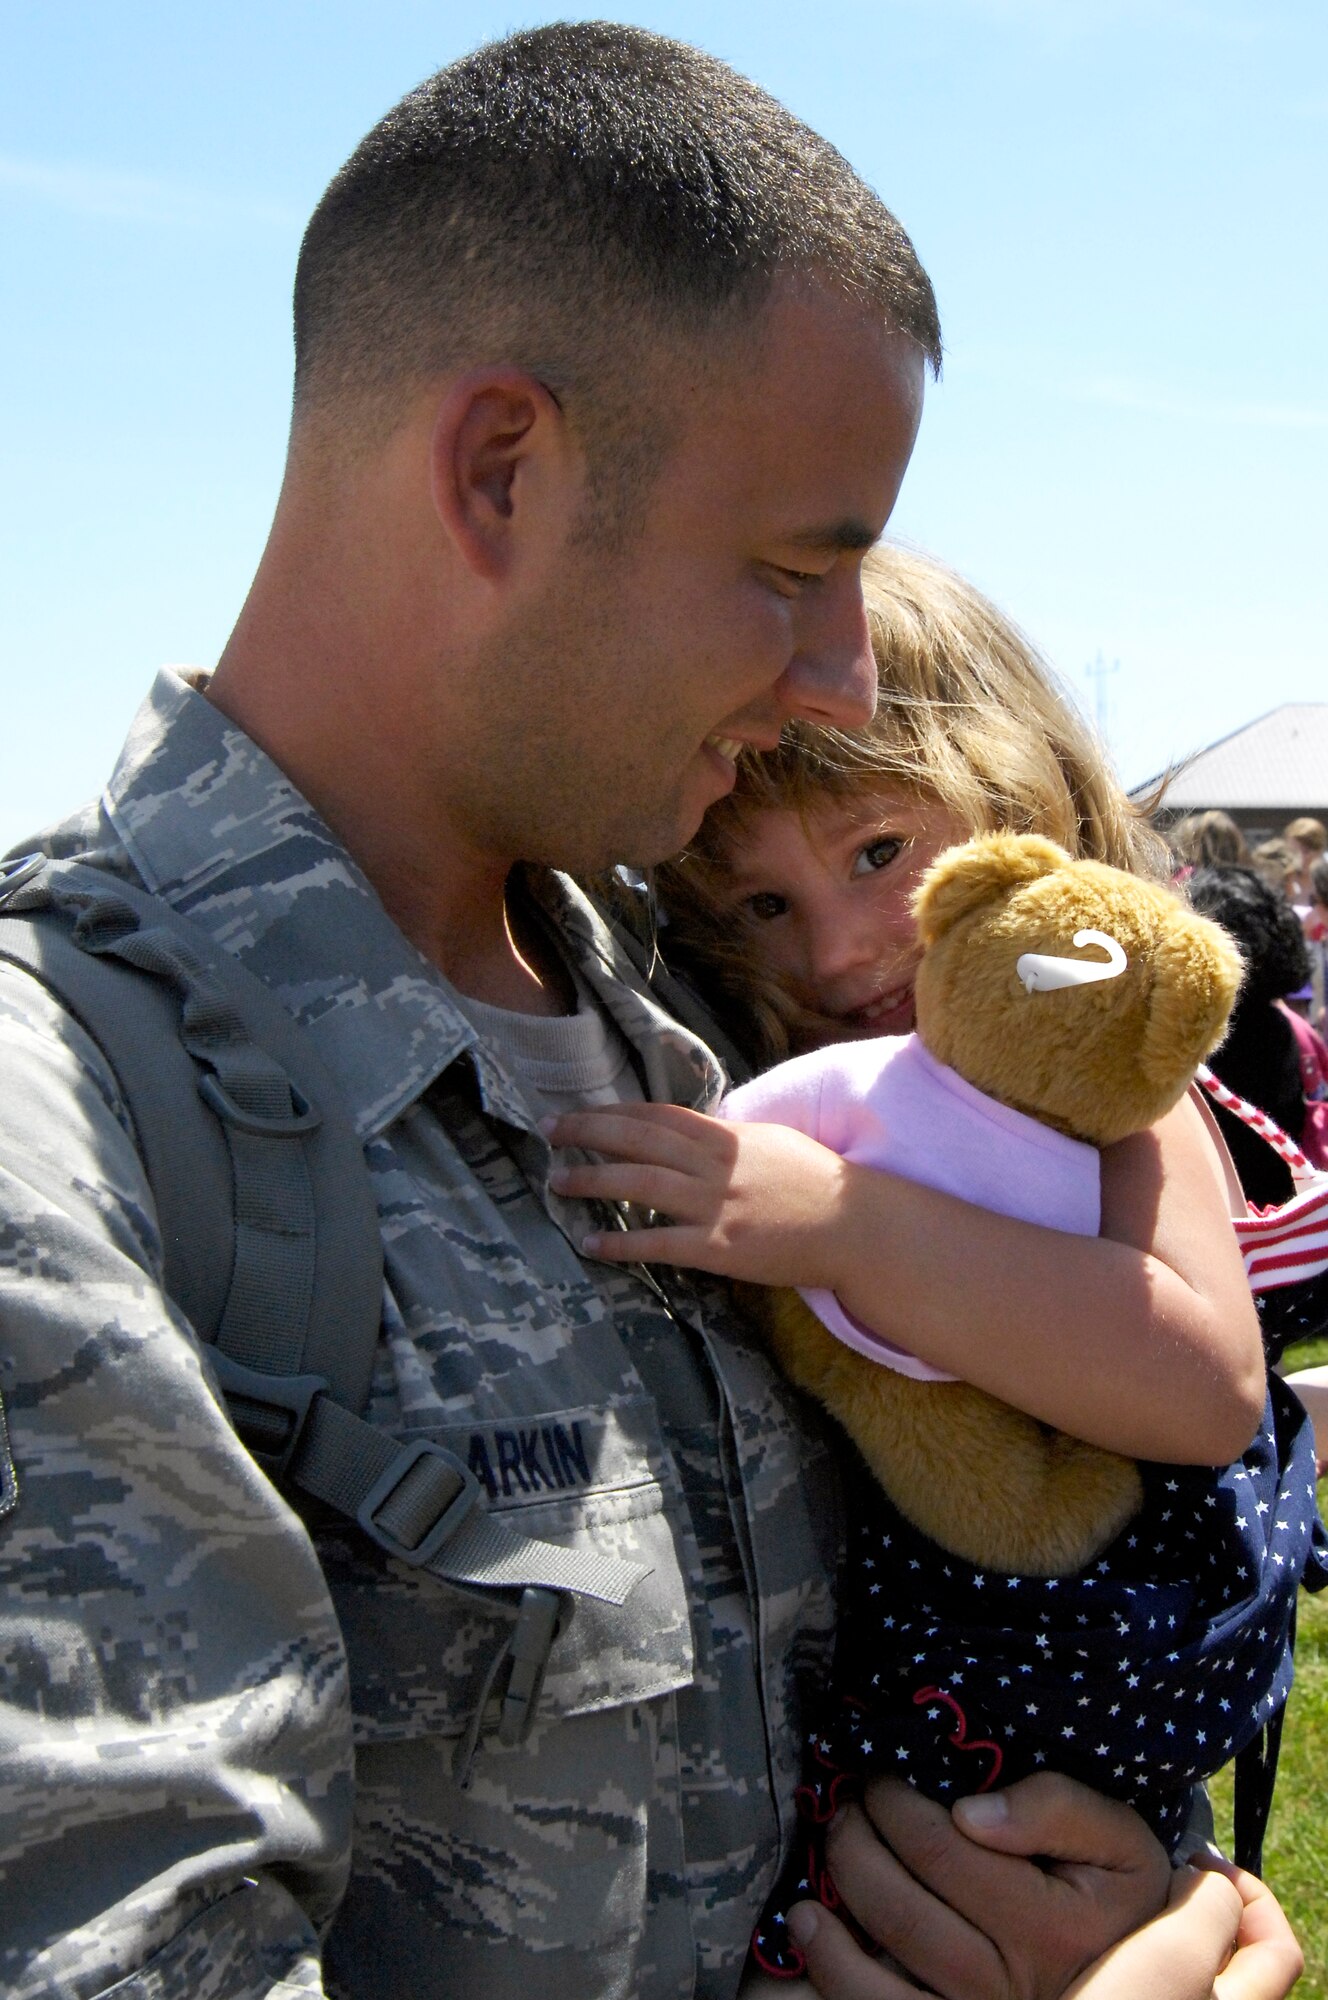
[1196, 977]
[980, 871]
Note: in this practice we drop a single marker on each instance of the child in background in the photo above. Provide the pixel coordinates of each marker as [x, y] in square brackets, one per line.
[1309, 838]
[792, 912]
[1207, 840]
[1316, 937]
[1260, 1056]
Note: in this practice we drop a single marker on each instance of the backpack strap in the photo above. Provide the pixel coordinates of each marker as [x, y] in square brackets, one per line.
[239, 1125]
[268, 1219]
[1255, 1778]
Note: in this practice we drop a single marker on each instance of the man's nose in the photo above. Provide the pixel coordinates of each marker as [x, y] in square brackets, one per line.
[831, 679]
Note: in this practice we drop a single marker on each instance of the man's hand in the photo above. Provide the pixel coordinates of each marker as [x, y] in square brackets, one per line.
[962, 1910]
[1222, 1936]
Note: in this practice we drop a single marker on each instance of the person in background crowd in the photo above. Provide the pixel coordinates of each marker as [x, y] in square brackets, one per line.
[1279, 864]
[1206, 840]
[1309, 839]
[1259, 1058]
[1315, 926]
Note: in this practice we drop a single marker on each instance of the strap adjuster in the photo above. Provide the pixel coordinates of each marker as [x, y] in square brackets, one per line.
[258, 1402]
[14, 874]
[539, 1621]
[304, 1116]
[455, 1507]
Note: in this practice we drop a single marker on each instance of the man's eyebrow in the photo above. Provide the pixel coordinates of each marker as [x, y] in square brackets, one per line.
[838, 535]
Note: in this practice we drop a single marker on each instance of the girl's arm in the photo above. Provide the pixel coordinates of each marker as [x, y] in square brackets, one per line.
[1142, 1340]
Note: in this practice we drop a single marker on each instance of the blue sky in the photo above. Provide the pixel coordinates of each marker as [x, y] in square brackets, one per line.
[1120, 202]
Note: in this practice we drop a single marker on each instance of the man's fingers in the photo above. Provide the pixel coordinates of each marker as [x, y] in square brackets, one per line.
[837, 1966]
[889, 1895]
[956, 1911]
[1058, 1819]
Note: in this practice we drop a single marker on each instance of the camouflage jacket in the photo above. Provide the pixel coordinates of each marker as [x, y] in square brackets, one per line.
[228, 1735]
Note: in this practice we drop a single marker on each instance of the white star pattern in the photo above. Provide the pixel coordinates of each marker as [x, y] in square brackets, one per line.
[1046, 1668]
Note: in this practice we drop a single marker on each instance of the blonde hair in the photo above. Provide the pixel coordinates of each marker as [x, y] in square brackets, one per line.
[1311, 833]
[969, 715]
[1209, 840]
[1278, 862]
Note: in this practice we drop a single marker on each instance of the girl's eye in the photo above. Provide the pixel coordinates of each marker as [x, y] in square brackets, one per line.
[876, 854]
[766, 905]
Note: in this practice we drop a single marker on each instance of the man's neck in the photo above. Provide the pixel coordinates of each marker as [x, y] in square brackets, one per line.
[523, 973]
[330, 668]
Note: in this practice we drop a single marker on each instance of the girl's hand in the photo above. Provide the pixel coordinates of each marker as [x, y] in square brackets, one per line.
[756, 1202]
[1311, 1385]
[1219, 1922]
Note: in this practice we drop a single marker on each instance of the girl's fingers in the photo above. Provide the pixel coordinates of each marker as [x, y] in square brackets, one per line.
[661, 1133]
[689, 1248]
[1178, 1954]
[647, 1186]
[1268, 1959]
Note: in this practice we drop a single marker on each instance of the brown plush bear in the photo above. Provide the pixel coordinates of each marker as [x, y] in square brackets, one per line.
[1085, 998]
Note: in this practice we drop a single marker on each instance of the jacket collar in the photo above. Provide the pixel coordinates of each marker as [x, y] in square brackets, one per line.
[215, 828]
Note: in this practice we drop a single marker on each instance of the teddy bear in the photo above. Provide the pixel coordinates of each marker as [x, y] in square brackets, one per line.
[1014, 994]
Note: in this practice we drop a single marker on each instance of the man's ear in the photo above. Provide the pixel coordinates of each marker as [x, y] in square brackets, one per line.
[497, 434]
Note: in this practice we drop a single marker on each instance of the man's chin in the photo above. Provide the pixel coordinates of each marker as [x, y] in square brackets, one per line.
[637, 844]
[634, 856]
[649, 846]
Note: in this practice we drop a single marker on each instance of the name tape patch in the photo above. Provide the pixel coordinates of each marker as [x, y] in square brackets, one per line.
[567, 1452]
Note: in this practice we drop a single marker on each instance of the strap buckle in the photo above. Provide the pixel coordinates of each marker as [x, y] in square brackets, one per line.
[305, 1117]
[455, 1506]
[14, 874]
[538, 1623]
[270, 1398]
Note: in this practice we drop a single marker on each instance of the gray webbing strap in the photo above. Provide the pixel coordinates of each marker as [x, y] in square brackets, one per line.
[264, 1119]
[416, 1500]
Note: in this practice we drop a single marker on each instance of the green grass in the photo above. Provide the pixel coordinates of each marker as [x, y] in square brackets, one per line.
[1296, 1849]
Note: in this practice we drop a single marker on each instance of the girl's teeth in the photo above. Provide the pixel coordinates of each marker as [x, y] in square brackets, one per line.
[727, 746]
[884, 1005]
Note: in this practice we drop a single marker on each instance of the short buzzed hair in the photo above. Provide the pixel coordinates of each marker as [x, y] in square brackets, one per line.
[570, 201]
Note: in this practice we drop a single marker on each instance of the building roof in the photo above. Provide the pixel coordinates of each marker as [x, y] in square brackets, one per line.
[1279, 761]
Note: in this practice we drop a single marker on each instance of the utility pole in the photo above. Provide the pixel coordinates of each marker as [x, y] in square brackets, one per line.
[1098, 674]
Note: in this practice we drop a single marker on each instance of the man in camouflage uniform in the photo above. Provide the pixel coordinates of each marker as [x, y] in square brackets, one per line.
[607, 371]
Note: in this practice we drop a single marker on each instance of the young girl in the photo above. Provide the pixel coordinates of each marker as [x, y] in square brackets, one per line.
[793, 913]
